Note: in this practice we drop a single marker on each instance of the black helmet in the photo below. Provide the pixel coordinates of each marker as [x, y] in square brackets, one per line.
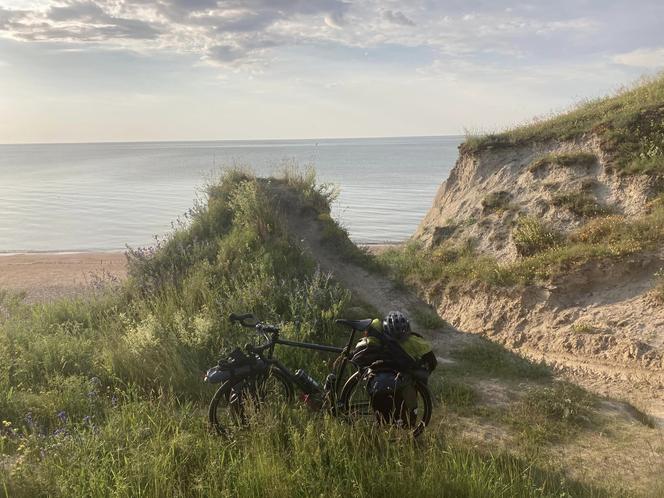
[396, 325]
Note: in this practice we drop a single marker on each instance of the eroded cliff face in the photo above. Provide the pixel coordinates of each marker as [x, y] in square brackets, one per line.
[488, 190]
[601, 323]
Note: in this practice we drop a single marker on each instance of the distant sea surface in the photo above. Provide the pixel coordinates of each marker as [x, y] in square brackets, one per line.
[69, 197]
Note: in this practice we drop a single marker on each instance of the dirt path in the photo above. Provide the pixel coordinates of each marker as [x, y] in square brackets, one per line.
[639, 386]
[375, 290]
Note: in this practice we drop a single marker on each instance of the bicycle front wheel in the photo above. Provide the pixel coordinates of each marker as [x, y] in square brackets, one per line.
[235, 400]
[357, 407]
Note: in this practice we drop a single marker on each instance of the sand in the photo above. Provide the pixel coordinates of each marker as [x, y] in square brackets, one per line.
[47, 276]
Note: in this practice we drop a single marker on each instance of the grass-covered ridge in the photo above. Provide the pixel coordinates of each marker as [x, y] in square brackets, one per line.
[103, 396]
[630, 126]
[543, 252]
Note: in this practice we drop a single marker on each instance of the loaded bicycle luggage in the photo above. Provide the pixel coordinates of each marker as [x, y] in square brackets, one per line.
[253, 378]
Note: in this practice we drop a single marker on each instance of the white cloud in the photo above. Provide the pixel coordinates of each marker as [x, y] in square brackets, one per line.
[651, 58]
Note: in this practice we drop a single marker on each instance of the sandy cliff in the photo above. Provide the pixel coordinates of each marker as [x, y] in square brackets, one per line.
[489, 188]
[599, 322]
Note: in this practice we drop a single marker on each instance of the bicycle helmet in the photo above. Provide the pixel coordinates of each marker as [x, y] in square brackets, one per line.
[396, 325]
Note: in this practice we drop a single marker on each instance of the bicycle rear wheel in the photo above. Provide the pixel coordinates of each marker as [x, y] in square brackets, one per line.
[356, 405]
[236, 400]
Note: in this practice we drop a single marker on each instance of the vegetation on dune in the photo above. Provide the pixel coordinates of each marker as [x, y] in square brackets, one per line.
[496, 202]
[544, 253]
[581, 204]
[630, 126]
[103, 396]
[563, 159]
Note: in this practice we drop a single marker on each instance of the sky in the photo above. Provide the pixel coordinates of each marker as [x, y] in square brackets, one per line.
[118, 70]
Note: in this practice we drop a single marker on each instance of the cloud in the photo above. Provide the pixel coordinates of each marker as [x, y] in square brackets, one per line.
[651, 58]
[398, 17]
[250, 32]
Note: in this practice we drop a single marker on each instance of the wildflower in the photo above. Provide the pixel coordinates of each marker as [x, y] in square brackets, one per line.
[28, 420]
[114, 401]
[63, 416]
[6, 424]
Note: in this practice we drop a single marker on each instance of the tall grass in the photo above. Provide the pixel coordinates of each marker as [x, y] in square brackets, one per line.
[629, 124]
[103, 396]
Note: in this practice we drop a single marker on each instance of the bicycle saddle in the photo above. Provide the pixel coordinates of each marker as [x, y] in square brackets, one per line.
[355, 324]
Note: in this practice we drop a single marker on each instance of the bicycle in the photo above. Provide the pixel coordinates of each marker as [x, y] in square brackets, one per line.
[252, 378]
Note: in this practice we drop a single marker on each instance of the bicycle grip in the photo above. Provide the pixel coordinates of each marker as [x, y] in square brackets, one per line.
[239, 318]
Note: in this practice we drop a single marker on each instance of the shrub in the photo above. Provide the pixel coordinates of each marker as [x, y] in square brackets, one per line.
[496, 202]
[531, 236]
[551, 414]
[581, 204]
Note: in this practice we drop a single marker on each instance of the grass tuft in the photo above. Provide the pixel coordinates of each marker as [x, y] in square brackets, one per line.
[531, 236]
[567, 159]
[581, 204]
[496, 202]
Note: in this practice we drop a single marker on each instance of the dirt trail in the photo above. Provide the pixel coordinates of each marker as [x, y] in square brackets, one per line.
[639, 386]
[371, 288]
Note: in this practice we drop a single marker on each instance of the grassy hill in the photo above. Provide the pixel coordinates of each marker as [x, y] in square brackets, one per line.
[103, 396]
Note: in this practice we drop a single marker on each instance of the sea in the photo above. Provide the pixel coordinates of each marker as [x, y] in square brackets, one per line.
[107, 196]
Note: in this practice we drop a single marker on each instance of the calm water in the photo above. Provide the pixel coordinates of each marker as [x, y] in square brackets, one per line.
[103, 196]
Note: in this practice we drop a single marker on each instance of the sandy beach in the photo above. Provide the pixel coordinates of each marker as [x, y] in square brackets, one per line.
[46, 276]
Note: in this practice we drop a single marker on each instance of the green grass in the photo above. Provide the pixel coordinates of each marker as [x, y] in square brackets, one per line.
[544, 253]
[581, 204]
[493, 360]
[532, 236]
[630, 126]
[428, 318]
[548, 414]
[566, 159]
[103, 396]
[584, 328]
[159, 448]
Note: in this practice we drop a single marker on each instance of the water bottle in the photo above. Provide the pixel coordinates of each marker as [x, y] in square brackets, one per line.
[307, 383]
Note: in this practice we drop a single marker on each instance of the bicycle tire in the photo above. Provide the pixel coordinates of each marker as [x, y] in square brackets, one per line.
[423, 394]
[224, 418]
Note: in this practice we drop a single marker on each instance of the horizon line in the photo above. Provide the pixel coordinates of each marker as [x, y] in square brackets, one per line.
[102, 142]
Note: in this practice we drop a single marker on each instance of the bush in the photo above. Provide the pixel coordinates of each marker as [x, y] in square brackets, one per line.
[496, 202]
[581, 204]
[531, 236]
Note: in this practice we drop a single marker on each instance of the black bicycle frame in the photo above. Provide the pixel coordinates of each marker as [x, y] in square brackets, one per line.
[316, 347]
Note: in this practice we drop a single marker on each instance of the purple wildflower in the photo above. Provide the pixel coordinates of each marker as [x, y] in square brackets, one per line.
[63, 416]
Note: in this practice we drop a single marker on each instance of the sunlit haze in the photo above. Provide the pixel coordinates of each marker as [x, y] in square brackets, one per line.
[98, 70]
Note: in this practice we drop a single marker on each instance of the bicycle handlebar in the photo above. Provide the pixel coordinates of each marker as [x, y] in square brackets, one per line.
[242, 320]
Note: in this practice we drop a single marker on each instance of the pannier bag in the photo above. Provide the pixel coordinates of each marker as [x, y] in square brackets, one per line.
[236, 366]
[393, 396]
